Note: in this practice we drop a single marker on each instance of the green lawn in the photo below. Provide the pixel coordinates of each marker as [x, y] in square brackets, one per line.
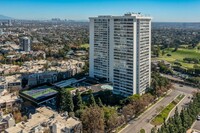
[179, 55]
[159, 119]
[85, 45]
[70, 88]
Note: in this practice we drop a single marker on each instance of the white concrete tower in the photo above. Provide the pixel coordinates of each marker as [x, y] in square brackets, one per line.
[120, 52]
[25, 44]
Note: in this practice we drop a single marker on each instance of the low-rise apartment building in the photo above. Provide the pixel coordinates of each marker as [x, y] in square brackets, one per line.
[6, 121]
[10, 83]
[46, 119]
[9, 100]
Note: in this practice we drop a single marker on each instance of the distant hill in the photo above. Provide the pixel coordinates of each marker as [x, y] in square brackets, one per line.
[2, 17]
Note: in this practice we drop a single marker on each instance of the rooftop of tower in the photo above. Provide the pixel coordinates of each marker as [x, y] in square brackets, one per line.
[129, 14]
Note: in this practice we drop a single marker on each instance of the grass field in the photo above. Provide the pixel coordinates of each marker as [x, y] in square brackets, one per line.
[179, 55]
[159, 119]
[85, 45]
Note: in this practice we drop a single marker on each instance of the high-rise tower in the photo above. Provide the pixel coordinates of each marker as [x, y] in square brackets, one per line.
[25, 44]
[120, 52]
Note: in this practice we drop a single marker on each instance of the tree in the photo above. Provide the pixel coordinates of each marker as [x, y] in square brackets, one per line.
[69, 100]
[128, 111]
[91, 99]
[86, 67]
[142, 131]
[66, 48]
[100, 102]
[66, 103]
[159, 84]
[156, 50]
[110, 118]
[153, 130]
[63, 100]
[93, 120]
[78, 101]
[17, 116]
[163, 52]
[164, 68]
[181, 122]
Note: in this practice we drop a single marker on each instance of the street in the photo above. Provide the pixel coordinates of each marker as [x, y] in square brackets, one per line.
[143, 122]
[196, 126]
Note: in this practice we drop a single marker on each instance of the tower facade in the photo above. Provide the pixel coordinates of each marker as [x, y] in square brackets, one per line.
[120, 52]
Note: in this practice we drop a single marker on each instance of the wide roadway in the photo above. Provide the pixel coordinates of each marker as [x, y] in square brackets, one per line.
[143, 121]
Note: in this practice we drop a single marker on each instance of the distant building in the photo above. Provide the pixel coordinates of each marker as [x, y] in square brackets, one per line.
[120, 52]
[1, 31]
[25, 44]
[9, 22]
[56, 19]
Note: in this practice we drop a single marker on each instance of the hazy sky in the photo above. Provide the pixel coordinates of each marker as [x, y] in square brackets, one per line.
[160, 10]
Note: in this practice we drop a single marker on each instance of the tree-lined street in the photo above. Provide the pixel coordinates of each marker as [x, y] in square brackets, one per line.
[143, 121]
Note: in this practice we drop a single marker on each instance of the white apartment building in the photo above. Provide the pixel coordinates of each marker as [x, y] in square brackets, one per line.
[120, 52]
[25, 44]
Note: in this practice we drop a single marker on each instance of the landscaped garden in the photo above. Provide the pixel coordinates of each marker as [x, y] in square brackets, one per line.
[159, 119]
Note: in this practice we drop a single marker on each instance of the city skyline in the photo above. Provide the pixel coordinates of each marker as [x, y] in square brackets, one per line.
[160, 10]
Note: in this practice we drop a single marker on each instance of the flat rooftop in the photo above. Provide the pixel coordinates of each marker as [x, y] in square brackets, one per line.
[46, 111]
[65, 83]
[10, 79]
[26, 127]
[8, 98]
[126, 15]
[14, 129]
[40, 92]
[43, 115]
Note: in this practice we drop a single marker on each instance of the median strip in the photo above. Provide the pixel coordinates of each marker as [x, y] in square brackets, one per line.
[159, 119]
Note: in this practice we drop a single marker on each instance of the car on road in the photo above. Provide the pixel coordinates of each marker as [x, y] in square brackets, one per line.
[198, 118]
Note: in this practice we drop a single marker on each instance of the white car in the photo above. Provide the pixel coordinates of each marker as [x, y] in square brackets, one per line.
[198, 118]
